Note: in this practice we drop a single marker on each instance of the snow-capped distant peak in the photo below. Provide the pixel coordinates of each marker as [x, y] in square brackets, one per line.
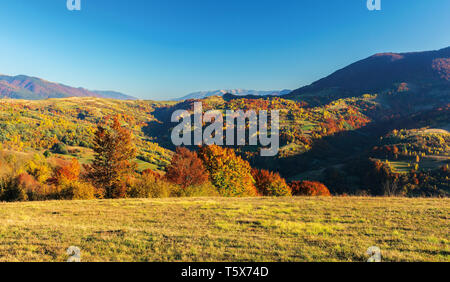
[238, 92]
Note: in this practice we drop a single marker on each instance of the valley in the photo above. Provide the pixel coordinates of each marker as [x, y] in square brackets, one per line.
[333, 131]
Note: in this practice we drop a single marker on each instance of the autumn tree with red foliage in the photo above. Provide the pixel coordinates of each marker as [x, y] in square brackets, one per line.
[309, 188]
[150, 173]
[30, 185]
[270, 183]
[186, 169]
[114, 154]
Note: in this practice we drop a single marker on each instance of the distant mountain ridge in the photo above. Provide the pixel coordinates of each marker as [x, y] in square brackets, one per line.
[236, 92]
[33, 88]
[384, 71]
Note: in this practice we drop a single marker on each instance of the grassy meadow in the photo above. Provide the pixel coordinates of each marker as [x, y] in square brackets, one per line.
[227, 229]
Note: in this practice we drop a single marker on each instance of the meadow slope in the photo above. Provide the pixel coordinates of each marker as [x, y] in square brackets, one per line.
[225, 229]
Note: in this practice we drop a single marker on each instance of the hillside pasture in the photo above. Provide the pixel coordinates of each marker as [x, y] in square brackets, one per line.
[227, 229]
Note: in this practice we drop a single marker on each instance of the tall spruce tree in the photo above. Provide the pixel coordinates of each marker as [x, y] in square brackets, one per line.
[114, 155]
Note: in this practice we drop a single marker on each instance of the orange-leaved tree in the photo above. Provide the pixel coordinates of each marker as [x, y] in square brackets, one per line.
[309, 188]
[151, 174]
[186, 169]
[270, 183]
[69, 172]
[229, 173]
[114, 155]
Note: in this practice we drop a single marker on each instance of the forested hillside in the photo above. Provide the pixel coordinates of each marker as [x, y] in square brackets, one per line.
[66, 126]
[386, 136]
[358, 145]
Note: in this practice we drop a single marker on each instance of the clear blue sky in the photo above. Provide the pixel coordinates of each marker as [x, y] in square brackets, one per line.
[161, 49]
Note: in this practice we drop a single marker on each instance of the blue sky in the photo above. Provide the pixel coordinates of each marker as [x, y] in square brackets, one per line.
[166, 48]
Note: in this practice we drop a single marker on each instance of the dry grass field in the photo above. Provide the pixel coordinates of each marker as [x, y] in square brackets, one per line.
[227, 229]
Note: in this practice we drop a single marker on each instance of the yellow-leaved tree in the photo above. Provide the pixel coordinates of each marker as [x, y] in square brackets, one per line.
[229, 173]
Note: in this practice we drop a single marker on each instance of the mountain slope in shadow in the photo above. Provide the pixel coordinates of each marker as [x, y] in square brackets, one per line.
[412, 71]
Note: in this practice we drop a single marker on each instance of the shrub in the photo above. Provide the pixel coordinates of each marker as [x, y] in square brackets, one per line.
[77, 190]
[25, 187]
[270, 183]
[309, 188]
[34, 190]
[150, 173]
[230, 174]
[151, 186]
[11, 191]
[60, 148]
[204, 190]
[47, 154]
[186, 169]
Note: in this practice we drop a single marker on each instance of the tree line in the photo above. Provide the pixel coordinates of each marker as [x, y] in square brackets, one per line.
[209, 171]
